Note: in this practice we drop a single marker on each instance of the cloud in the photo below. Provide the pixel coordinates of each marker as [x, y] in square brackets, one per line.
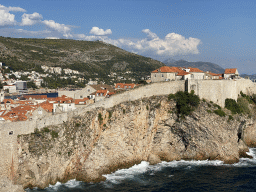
[171, 45]
[51, 37]
[14, 9]
[61, 28]
[6, 18]
[31, 19]
[100, 32]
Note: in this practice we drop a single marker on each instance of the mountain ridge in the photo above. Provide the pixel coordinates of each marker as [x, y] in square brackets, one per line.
[204, 66]
[92, 58]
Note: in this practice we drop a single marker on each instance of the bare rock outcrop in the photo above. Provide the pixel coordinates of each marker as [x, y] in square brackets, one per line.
[7, 185]
[104, 140]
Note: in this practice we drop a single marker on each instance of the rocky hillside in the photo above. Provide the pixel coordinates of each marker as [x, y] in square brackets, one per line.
[204, 66]
[91, 57]
[104, 140]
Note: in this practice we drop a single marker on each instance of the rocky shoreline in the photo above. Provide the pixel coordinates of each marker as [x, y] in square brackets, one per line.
[103, 140]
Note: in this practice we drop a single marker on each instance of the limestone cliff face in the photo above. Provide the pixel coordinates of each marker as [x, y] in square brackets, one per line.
[104, 140]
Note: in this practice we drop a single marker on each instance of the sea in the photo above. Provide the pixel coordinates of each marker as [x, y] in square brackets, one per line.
[172, 176]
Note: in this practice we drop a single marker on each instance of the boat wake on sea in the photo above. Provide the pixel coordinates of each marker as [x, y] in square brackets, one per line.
[181, 175]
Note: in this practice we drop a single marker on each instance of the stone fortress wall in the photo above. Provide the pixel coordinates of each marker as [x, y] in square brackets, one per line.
[212, 90]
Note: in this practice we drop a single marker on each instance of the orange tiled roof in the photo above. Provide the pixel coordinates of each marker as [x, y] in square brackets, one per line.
[214, 74]
[47, 106]
[35, 96]
[103, 91]
[125, 85]
[111, 93]
[196, 70]
[230, 71]
[182, 73]
[77, 101]
[62, 99]
[166, 69]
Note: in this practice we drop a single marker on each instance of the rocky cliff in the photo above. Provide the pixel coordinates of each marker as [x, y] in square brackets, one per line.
[104, 140]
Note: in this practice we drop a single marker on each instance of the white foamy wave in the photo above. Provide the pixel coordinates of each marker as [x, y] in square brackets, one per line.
[129, 173]
[56, 186]
[245, 162]
[72, 183]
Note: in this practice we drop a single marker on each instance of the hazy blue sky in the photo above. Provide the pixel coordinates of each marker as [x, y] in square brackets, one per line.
[219, 31]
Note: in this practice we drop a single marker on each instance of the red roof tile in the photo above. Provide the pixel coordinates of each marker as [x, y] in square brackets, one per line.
[182, 73]
[196, 70]
[167, 69]
[230, 71]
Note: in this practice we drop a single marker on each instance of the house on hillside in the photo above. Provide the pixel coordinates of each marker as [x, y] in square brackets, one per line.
[231, 73]
[164, 73]
[89, 89]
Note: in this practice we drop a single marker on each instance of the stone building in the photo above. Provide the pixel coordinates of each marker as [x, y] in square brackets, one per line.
[231, 73]
[164, 73]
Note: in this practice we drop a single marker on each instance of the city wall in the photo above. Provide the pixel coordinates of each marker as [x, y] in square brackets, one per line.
[219, 90]
[212, 90]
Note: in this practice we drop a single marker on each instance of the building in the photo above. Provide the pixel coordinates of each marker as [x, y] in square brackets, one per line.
[125, 86]
[196, 73]
[10, 88]
[164, 73]
[21, 85]
[231, 73]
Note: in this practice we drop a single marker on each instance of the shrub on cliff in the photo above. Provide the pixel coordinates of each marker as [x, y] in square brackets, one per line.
[185, 102]
[232, 105]
[220, 112]
[241, 106]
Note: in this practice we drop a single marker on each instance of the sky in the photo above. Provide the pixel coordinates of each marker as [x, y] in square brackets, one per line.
[218, 31]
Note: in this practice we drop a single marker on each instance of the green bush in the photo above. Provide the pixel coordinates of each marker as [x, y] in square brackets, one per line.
[241, 106]
[46, 129]
[209, 111]
[230, 117]
[247, 97]
[220, 112]
[100, 119]
[215, 105]
[185, 102]
[110, 114]
[54, 134]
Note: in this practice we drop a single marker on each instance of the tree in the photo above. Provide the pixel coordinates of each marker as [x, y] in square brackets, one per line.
[31, 84]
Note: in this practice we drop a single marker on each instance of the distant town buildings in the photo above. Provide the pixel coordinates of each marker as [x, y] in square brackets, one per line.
[167, 73]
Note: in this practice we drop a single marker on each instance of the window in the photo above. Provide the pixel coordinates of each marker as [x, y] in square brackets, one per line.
[11, 133]
[88, 90]
[162, 75]
[81, 96]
